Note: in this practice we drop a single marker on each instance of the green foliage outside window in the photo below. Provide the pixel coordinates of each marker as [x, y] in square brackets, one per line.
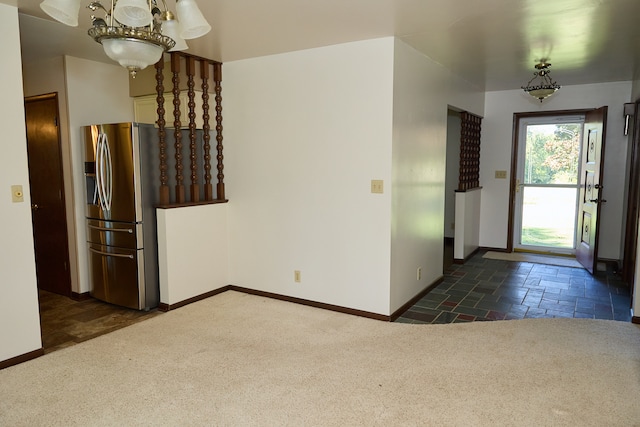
[552, 154]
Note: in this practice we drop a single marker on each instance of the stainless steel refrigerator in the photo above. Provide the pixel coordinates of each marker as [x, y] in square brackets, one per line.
[121, 169]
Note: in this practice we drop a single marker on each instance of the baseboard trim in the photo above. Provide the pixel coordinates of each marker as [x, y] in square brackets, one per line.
[467, 258]
[635, 319]
[352, 311]
[168, 307]
[310, 303]
[80, 296]
[22, 358]
[399, 312]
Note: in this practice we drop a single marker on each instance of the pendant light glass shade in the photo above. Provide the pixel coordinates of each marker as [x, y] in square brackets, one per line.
[134, 13]
[541, 86]
[192, 22]
[132, 54]
[135, 33]
[65, 11]
[171, 28]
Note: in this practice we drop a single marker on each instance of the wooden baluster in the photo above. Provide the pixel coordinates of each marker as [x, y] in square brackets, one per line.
[191, 71]
[470, 151]
[164, 187]
[206, 128]
[217, 77]
[175, 69]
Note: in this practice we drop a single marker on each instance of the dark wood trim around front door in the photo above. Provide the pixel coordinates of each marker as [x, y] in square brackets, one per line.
[633, 205]
[514, 160]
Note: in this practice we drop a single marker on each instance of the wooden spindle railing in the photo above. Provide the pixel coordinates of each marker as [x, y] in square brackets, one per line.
[469, 152]
[175, 70]
[217, 77]
[199, 147]
[193, 153]
[162, 134]
[204, 74]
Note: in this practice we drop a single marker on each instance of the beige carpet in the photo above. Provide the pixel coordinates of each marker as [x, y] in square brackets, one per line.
[243, 360]
[536, 258]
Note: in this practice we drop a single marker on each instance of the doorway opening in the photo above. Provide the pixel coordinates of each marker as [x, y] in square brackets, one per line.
[549, 192]
[46, 183]
[548, 184]
[452, 173]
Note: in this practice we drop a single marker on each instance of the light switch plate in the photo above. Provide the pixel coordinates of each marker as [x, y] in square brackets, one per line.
[17, 195]
[377, 186]
[501, 174]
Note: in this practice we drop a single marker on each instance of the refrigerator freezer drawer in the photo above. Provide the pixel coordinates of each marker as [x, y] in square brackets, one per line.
[117, 275]
[118, 234]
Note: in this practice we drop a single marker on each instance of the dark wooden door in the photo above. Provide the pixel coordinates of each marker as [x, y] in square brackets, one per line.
[47, 194]
[591, 188]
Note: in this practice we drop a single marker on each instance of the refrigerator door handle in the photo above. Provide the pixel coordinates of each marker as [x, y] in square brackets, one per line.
[115, 230]
[99, 171]
[112, 255]
[104, 173]
[109, 173]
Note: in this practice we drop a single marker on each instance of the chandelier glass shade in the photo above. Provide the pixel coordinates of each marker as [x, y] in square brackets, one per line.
[171, 28]
[133, 13]
[65, 11]
[135, 33]
[541, 86]
[193, 23]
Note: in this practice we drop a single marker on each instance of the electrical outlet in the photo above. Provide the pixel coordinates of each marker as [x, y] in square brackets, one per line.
[296, 276]
[377, 186]
[419, 273]
[501, 174]
[17, 195]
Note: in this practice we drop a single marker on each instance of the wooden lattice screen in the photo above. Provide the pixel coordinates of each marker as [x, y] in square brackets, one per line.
[199, 147]
[469, 152]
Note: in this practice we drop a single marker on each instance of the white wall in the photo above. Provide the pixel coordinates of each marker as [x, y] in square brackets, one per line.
[192, 251]
[19, 317]
[305, 133]
[496, 155]
[423, 90]
[454, 129]
[467, 238]
[96, 93]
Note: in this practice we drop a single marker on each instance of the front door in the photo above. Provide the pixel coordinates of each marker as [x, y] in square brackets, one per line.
[47, 194]
[547, 183]
[591, 186]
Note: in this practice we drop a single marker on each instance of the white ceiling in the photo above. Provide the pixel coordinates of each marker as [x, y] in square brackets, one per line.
[491, 43]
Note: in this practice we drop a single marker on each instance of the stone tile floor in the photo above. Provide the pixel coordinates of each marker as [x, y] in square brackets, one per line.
[487, 289]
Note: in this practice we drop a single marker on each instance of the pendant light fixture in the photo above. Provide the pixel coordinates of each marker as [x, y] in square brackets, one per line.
[135, 33]
[541, 86]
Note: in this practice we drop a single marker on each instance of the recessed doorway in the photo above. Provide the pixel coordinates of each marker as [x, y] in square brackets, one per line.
[550, 191]
[548, 184]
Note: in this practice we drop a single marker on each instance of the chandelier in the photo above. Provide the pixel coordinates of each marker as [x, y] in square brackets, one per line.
[544, 87]
[135, 33]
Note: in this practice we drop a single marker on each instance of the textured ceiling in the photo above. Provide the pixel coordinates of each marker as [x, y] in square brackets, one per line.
[491, 43]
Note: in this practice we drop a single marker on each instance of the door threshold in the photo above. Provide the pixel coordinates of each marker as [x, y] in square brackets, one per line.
[548, 253]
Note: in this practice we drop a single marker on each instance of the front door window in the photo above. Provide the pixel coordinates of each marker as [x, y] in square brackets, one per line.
[547, 184]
